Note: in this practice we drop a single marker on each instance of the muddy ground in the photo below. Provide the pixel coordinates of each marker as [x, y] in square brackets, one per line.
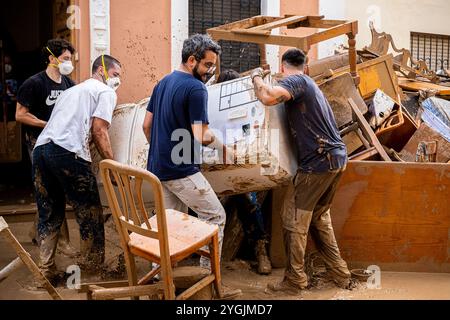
[238, 274]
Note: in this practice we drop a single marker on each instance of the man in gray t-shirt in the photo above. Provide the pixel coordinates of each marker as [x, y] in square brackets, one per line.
[322, 158]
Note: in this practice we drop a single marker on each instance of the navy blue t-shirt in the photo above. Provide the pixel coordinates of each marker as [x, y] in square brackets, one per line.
[177, 102]
[313, 126]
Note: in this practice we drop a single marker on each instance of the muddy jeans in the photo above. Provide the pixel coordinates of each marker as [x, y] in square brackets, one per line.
[58, 175]
[307, 209]
[196, 193]
[30, 142]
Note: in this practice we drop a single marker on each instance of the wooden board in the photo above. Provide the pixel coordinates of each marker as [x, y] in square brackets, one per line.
[376, 74]
[425, 133]
[414, 85]
[394, 215]
[337, 91]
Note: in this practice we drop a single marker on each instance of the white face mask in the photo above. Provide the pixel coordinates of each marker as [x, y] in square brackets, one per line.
[8, 68]
[65, 68]
[113, 83]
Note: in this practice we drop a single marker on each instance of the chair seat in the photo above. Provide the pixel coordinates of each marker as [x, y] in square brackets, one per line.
[185, 234]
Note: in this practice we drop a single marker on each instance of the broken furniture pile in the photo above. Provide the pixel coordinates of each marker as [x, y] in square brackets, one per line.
[404, 104]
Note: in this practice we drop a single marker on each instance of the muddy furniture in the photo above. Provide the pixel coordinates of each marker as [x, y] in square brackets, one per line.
[164, 238]
[23, 258]
[258, 29]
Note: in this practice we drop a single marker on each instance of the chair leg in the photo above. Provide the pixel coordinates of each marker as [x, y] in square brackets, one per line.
[131, 270]
[215, 264]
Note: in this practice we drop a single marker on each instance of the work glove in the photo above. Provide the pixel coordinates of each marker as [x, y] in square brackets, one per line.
[259, 72]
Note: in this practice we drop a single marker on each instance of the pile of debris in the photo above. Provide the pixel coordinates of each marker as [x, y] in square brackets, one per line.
[398, 110]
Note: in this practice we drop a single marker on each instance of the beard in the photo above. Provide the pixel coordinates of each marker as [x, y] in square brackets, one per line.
[197, 75]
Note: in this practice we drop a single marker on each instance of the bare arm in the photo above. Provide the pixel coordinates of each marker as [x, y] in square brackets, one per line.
[203, 134]
[147, 126]
[270, 95]
[24, 116]
[100, 137]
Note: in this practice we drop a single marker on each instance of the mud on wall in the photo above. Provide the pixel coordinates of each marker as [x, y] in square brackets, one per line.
[140, 39]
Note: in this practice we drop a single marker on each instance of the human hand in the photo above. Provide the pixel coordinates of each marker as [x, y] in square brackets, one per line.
[259, 72]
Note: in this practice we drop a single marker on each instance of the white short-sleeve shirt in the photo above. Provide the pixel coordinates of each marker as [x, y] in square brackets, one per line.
[70, 124]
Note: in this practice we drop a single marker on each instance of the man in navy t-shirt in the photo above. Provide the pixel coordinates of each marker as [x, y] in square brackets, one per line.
[176, 125]
[322, 158]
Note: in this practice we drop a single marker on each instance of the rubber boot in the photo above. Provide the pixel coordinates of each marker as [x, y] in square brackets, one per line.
[64, 245]
[264, 265]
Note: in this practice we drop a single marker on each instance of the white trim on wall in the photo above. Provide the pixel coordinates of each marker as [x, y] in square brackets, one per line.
[179, 29]
[272, 8]
[99, 20]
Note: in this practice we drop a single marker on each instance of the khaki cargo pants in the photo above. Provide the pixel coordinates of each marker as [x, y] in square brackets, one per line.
[196, 193]
[307, 209]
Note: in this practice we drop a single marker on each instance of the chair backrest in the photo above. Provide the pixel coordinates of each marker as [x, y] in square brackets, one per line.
[128, 209]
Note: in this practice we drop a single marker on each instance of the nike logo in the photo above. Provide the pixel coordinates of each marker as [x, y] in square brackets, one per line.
[50, 101]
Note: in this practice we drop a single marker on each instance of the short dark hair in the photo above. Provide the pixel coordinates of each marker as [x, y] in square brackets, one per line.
[109, 63]
[197, 45]
[227, 75]
[57, 47]
[294, 57]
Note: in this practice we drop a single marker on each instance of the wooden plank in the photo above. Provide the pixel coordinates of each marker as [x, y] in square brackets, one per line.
[414, 85]
[281, 40]
[367, 130]
[279, 23]
[126, 292]
[26, 259]
[364, 155]
[196, 288]
[84, 288]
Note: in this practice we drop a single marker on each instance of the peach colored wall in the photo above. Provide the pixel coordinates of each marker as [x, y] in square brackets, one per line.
[300, 7]
[140, 39]
[82, 42]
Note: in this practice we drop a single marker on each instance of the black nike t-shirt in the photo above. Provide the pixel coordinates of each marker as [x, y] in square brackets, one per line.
[39, 93]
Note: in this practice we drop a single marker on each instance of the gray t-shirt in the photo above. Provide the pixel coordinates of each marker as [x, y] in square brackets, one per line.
[313, 126]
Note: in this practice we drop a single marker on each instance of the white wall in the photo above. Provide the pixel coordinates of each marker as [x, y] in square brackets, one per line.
[397, 17]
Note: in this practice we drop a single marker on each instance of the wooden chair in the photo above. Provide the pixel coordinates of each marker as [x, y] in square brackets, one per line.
[165, 238]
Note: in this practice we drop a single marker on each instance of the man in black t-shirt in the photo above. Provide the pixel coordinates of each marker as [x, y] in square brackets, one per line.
[322, 159]
[35, 101]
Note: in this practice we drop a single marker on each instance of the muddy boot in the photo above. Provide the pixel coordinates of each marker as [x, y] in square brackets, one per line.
[91, 261]
[64, 245]
[229, 293]
[284, 287]
[264, 265]
[47, 251]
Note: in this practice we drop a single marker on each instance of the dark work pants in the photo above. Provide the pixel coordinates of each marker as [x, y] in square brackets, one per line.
[59, 175]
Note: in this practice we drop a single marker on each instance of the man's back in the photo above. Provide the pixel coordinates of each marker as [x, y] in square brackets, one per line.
[320, 147]
[70, 123]
[177, 102]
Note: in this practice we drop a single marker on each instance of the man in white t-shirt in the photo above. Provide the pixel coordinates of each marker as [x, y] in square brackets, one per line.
[62, 165]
